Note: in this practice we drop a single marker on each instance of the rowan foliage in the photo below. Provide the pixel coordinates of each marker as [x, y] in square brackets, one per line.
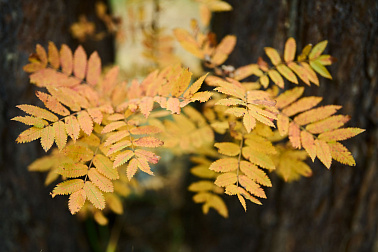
[108, 130]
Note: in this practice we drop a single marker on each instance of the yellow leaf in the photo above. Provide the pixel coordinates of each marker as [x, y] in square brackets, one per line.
[68, 187]
[318, 49]
[218, 204]
[122, 158]
[226, 179]
[341, 154]
[72, 170]
[201, 96]
[118, 146]
[203, 185]
[340, 134]
[287, 73]
[150, 142]
[223, 49]
[116, 136]
[273, 55]
[300, 71]
[181, 83]
[320, 69]
[30, 120]
[290, 49]
[100, 218]
[323, 152]
[229, 149]
[47, 137]
[103, 183]
[224, 165]
[217, 6]
[60, 134]
[236, 111]
[42, 164]
[276, 78]
[290, 167]
[114, 203]
[254, 173]
[242, 201]
[306, 50]
[76, 201]
[94, 195]
[78, 153]
[41, 53]
[311, 75]
[105, 167]
[203, 171]
[38, 112]
[264, 80]
[188, 42]
[251, 186]
[195, 86]
[258, 158]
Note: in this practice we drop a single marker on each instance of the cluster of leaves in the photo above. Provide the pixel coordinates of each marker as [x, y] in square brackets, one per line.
[117, 128]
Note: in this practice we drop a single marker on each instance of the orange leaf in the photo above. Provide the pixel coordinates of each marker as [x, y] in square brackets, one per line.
[53, 56]
[150, 142]
[113, 126]
[94, 69]
[94, 195]
[294, 135]
[248, 70]
[289, 97]
[300, 71]
[340, 134]
[249, 121]
[72, 127]
[316, 114]
[188, 42]
[85, 121]
[132, 168]
[100, 181]
[41, 52]
[323, 152]
[146, 105]
[301, 105]
[173, 104]
[283, 124]
[118, 146]
[66, 59]
[223, 49]
[311, 75]
[76, 201]
[330, 123]
[52, 103]
[80, 63]
[117, 136]
[96, 115]
[290, 49]
[148, 155]
[143, 165]
[145, 130]
[308, 144]
[110, 80]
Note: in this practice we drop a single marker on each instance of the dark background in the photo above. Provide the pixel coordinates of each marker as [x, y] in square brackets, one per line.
[334, 210]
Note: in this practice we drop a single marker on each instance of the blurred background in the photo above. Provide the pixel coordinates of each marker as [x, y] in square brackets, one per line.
[334, 210]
